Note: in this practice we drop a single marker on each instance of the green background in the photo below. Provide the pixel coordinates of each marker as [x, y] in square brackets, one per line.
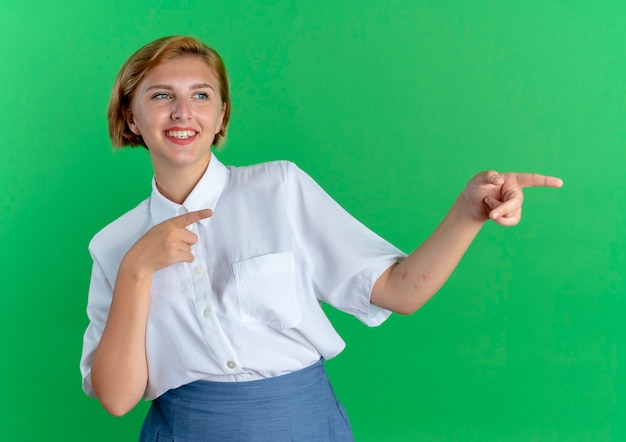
[391, 106]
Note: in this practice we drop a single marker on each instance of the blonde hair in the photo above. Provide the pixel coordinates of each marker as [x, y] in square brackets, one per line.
[140, 63]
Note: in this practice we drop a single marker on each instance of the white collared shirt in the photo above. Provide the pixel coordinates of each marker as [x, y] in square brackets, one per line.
[248, 306]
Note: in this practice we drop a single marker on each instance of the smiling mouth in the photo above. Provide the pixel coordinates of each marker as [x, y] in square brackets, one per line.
[180, 134]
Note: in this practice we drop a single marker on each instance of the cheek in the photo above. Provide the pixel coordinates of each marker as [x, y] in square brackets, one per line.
[146, 121]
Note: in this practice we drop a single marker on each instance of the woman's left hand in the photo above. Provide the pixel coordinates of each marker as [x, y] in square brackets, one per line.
[499, 197]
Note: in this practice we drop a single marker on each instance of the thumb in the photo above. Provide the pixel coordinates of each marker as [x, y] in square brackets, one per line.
[489, 177]
[493, 177]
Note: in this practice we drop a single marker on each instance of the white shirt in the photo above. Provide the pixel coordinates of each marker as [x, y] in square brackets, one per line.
[248, 306]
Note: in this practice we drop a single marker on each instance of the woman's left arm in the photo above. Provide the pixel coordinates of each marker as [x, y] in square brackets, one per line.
[406, 286]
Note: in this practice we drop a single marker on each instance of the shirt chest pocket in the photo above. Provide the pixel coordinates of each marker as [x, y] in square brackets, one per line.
[266, 290]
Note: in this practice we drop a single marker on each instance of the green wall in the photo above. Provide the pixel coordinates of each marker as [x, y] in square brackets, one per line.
[392, 106]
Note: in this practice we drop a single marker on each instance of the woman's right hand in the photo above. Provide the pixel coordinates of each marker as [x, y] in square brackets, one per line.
[165, 244]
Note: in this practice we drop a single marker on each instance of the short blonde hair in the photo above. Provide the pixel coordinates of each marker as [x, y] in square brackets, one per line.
[140, 63]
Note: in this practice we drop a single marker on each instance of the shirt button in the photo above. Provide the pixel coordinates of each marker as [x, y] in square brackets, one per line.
[197, 270]
[231, 364]
[207, 312]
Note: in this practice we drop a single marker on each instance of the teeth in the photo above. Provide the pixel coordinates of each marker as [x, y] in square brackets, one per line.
[180, 134]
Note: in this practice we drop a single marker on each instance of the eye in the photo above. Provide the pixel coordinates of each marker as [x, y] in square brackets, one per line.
[201, 95]
[161, 96]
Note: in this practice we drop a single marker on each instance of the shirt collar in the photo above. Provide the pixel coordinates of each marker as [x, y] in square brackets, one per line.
[203, 196]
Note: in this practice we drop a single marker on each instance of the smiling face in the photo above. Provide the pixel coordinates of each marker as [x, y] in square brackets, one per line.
[177, 110]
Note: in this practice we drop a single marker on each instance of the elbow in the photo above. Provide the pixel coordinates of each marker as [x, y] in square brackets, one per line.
[117, 407]
[407, 306]
[117, 398]
[402, 307]
[116, 402]
[407, 310]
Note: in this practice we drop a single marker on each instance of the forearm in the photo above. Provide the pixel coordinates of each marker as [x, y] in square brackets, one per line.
[405, 287]
[119, 372]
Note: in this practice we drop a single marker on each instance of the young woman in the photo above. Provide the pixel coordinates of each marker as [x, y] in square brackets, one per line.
[205, 298]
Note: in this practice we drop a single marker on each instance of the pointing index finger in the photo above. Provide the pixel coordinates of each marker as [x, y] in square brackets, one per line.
[537, 180]
[189, 218]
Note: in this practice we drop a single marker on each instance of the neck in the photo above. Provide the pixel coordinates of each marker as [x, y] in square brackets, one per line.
[177, 184]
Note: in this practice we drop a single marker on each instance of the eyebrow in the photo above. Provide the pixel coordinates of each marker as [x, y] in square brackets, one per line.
[170, 88]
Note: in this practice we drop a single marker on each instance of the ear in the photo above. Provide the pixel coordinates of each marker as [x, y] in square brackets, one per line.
[130, 121]
[220, 119]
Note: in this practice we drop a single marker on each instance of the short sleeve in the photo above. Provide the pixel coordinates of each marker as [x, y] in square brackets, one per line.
[344, 257]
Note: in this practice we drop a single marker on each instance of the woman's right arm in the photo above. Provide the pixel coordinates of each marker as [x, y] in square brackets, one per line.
[119, 371]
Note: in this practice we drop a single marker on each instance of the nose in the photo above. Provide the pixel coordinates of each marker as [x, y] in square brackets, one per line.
[181, 110]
